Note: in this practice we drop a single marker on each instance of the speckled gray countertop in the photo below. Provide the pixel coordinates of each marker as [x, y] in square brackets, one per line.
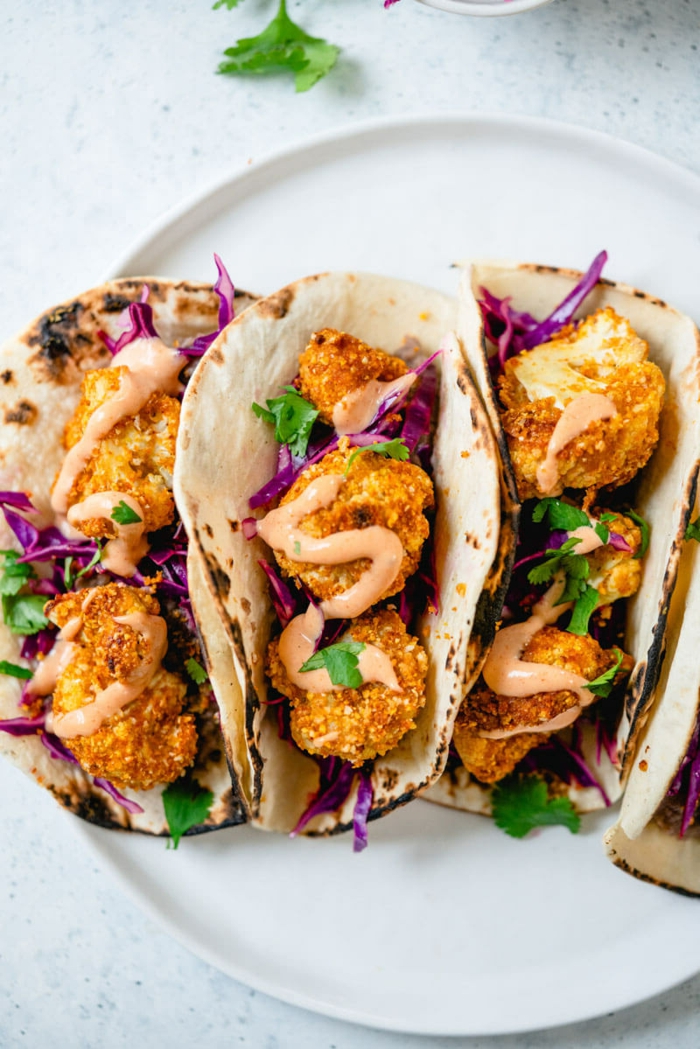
[111, 113]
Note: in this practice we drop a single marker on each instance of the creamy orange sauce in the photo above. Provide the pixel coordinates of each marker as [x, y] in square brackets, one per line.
[280, 530]
[507, 674]
[357, 410]
[50, 669]
[298, 643]
[589, 539]
[152, 366]
[85, 721]
[574, 420]
[122, 554]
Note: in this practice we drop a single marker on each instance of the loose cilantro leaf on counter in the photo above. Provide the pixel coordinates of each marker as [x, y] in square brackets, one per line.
[292, 417]
[602, 685]
[560, 516]
[395, 449]
[282, 45]
[14, 671]
[230, 4]
[340, 660]
[196, 671]
[584, 608]
[186, 804]
[645, 530]
[693, 530]
[522, 803]
[124, 515]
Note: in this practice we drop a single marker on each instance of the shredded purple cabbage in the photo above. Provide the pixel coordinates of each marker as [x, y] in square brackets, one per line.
[363, 807]
[225, 290]
[687, 780]
[284, 604]
[566, 762]
[22, 726]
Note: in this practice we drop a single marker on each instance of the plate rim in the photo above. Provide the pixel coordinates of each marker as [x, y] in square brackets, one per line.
[351, 135]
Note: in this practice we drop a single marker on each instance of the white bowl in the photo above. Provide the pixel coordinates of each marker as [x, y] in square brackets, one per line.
[486, 8]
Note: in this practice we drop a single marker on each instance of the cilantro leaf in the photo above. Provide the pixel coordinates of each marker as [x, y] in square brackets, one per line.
[693, 530]
[395, 449]
[602, 685]
[282, 45]
[186, 804]
[230, 4]
[14, 575]
[583, 609]
[24, 613]
[124, 515]
[522, 803]
[97, 556]
[196, 671]
[292, 417]
[340, 660]
[606, 517]
[560, 516]
[644, 529]
[561, 559]
[602, 532]
[14, 671]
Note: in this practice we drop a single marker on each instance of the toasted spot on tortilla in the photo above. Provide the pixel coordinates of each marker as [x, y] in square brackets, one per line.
[23, 413]
[6, 376]
[216, 356]
[277, 305]
[472, 540]
[219, 578]
[235, 525]
[246, 605]
[208, 529]
[112, 303]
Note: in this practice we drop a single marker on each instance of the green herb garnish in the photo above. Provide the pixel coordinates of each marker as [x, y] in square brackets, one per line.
[124, 515]
[645, 530]
[583, 609]
[14, 671]
[186, 804]
[395, 449]
[560, 516]
[576, 570]
[97, 556]
[520, 804]
[23, 613]
[341, 662]
[281, 45]
[196, 671]
[693, 530]
[292, 417]
[603, 684]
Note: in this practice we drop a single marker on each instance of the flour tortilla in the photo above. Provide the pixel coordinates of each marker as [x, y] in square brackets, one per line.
[226, 454]
[664, 495]
[40, 374]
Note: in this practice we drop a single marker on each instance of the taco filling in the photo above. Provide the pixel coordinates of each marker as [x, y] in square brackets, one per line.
[115, 681]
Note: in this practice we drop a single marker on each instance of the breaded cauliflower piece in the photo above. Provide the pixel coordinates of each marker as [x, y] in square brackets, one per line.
[603, 355]
[359, 724]
[489, 760]
[149, 741]
[616, 573]
[136, 457]
[335, 364]
[377, 491]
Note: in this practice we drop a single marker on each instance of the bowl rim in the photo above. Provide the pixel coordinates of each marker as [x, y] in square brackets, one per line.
[484, 8]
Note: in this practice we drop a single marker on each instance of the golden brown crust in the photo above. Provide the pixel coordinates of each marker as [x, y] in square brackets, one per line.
[149, 741]
[136, 457]
[335, 364]
[359, 724]
[377, 491]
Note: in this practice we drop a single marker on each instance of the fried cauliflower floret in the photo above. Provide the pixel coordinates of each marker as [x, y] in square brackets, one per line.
[489, 760]
[149, 741]
[616, 573]
[377, 491]
[335, 364]
[359, 724]
[603, 356]
[136, 457]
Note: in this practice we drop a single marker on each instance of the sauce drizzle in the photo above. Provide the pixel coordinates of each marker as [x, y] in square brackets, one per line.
[577, 416]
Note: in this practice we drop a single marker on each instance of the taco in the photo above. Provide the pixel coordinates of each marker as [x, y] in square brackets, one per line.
[591, 388]
[657, 836]
[104, 696]
[337, 417]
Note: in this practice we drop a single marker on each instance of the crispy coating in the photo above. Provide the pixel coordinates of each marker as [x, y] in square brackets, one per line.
[149, 741]
[359, 724]
[335, 364]
[491, 759]
[602, 355]
[616, 573]
[136, 457]
[377, 491]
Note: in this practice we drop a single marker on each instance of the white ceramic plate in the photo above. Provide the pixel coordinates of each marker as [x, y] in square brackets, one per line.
[444, 925]
[486, 8]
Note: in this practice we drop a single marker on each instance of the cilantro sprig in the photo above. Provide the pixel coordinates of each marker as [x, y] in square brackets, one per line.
[341, 662]
[693, 530]
[281, 45]
[13, 670]
[603, 684]
[196, 671]
[124, 515]
[186, 803]
[292, 417]
[644, 529]
[521, 803]
[22, 612]
[396, 449]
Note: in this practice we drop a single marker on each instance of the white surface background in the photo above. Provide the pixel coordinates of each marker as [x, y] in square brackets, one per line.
[111, 113]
